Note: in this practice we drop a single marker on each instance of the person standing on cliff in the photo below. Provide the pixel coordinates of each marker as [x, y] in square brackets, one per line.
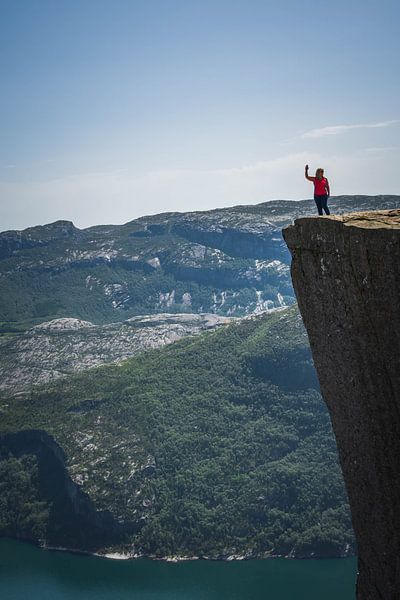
[321, 190]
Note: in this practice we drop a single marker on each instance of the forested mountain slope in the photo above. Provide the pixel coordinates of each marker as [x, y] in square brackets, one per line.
[216, 445]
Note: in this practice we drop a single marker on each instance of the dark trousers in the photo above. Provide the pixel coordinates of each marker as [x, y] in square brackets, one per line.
[322, 203]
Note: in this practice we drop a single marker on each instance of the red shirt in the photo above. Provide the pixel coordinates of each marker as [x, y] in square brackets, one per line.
[320, 186]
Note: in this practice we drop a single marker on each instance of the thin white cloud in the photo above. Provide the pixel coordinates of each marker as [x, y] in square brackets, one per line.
[381, 149]
[338, 129]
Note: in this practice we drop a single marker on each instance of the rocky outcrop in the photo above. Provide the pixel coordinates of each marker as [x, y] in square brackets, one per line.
[346, 274]
[255, 242]
[64, 346]
[13, 241]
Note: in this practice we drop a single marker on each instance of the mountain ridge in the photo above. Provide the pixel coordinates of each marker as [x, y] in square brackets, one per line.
[229, 261]
[274, 204]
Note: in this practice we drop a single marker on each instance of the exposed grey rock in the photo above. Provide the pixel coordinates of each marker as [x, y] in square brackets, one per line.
[63, 324]
[110, 273]
[64, 346]
[346, 274]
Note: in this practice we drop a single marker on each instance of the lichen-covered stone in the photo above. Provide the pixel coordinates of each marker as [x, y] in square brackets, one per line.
[346, 275]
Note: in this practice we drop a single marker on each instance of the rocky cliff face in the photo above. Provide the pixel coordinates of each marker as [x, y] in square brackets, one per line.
[346, 275]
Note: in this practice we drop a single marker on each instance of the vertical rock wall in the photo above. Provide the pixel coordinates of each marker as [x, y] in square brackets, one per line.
[346, 275]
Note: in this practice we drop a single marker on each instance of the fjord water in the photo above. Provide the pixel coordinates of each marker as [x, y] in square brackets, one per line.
[28, 572]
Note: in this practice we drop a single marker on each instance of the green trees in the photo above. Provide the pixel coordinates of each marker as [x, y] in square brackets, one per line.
[242, 457]
[22, 513]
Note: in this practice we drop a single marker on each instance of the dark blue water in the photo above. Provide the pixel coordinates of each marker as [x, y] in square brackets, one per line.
[28, 573]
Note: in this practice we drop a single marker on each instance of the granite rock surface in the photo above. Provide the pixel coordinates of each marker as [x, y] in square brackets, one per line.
[61, 347]
[346, 275]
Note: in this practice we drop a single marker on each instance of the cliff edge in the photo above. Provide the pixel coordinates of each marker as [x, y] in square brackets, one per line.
[346, 275]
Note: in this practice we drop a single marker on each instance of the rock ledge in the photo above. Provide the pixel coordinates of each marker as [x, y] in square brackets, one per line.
[346, 275]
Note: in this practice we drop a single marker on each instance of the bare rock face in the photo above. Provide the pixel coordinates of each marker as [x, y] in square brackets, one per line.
[346, 275]
[64, 346]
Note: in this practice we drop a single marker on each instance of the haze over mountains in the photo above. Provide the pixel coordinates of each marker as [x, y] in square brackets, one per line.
[216, 445]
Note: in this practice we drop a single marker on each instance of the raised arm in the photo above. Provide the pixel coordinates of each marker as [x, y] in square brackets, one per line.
[306, 175]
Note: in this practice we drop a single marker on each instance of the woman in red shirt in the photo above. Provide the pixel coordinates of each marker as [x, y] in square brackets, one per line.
[321, 190]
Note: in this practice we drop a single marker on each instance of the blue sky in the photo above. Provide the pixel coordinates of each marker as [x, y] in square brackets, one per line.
[113, 110]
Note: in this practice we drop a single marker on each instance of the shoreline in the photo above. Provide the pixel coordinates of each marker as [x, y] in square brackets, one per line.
[175, 558]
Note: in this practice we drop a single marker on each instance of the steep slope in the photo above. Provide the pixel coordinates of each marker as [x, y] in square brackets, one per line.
[346, 273]
[229, 261]
[216, 445]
